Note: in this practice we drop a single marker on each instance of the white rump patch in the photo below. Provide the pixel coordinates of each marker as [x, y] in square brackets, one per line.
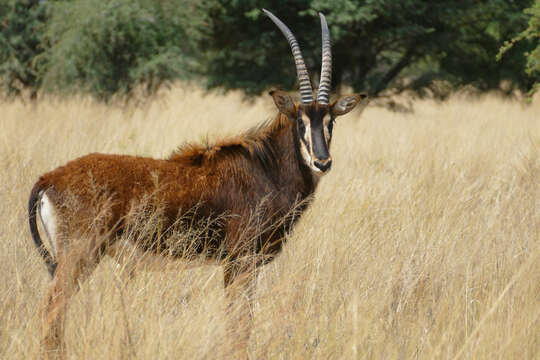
[47, 214]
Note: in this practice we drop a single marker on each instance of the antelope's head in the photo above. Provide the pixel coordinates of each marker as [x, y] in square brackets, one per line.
[314, 119]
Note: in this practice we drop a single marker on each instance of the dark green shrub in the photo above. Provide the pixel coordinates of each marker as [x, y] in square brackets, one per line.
[531, 35]
[379, 44]
[21, 30]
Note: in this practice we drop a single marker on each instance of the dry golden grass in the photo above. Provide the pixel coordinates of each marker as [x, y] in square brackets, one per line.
[422, 242]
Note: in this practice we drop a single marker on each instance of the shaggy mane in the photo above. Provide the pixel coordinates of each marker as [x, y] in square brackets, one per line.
[256, 144]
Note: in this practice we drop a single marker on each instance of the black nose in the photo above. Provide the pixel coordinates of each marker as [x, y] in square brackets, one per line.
[323, 165]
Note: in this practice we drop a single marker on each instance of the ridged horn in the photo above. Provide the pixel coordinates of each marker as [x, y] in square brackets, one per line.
[306, 92]
[325, 84]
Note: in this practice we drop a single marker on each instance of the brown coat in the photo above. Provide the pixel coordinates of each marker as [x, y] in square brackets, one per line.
[256, 175]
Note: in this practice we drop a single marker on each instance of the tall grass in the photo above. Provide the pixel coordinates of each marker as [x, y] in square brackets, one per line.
[422, 242]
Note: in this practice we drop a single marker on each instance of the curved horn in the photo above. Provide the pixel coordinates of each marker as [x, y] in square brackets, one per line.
[306, 92]
[325, 83]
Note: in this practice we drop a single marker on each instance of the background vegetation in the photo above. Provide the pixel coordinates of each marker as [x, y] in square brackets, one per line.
[531, 33]
[422, 242]
[107, 48]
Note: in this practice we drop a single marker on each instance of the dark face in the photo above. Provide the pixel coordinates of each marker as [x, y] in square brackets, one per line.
[315, 123]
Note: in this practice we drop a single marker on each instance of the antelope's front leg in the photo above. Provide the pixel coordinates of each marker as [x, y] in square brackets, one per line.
[240, 283]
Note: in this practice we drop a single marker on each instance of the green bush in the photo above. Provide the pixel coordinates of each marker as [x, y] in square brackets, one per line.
[22, 24]
[532, 35]
[110, 48]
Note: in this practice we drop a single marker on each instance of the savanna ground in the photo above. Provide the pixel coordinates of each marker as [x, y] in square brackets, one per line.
[422, 242]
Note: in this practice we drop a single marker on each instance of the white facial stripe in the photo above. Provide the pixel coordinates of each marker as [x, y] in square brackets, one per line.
[305, 155]
[306, 146]
[307, 139]
[326, 133]
[326, 122]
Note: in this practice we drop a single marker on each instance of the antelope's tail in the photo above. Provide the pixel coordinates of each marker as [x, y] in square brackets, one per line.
[33, 204]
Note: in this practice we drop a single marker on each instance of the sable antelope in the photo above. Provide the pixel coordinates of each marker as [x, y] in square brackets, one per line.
[270, 173]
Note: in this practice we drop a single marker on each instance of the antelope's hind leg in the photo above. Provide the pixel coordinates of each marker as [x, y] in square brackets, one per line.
[75, 265]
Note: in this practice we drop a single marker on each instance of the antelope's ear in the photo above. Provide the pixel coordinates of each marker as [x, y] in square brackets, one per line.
[284, 102]
[346, 103]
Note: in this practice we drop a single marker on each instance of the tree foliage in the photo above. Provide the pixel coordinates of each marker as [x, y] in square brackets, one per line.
[530, 35]
[376, 44]
[21, 24]
[108, 48]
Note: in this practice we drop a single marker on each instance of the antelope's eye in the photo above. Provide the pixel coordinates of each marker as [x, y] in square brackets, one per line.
[301, 126]
[331, 126]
